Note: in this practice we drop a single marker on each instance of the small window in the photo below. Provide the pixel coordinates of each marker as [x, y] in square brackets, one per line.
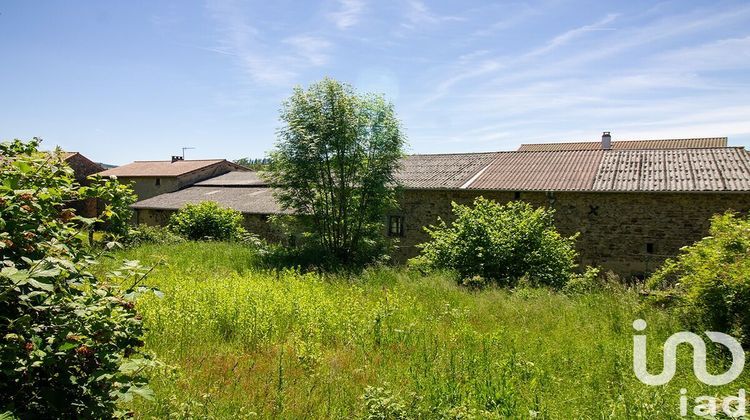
[395, 226]
[517, 195]
[649, 248]
[158, 181]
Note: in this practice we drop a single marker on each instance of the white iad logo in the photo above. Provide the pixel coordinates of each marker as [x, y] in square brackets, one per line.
[706, 405]
[699, 357]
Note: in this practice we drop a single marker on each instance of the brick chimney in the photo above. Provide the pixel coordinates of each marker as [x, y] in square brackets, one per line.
[177, 158]
[606, 141]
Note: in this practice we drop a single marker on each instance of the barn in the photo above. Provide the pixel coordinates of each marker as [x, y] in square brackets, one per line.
[634, 203]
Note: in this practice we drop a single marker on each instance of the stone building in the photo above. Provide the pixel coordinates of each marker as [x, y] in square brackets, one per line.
[243, 191]
[634, 203]
[83, 167]
[150, 178]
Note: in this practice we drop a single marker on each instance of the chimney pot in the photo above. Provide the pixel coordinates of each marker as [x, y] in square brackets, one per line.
[177, 158]
[606, 140]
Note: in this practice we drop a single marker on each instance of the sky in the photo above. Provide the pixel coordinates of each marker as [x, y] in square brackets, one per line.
[138, 80]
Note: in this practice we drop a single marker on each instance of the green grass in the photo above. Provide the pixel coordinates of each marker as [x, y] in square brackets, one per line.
[241, 342]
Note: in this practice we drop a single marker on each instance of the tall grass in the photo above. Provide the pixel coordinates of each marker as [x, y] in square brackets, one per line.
[243, 343]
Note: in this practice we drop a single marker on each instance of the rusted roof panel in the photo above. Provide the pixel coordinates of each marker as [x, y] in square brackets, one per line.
[441, 171]
[254, 200]
[545, 171]
[720, 169]
[696, 143]
[164, 167]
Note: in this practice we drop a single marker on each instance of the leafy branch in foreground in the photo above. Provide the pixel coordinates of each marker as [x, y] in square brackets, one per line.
[69, 341]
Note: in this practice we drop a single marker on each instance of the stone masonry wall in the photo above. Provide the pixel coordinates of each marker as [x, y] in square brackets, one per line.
[615, 228]
[145, 186]
[254, 223]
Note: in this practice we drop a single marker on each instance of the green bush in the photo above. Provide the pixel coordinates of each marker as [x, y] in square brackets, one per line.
[69, 342]
[145, 234]
[501, 244]
[207, 221]
[117, 199]
[709, 282]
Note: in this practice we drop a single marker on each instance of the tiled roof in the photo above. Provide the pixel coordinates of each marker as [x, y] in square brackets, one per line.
[258, 200]
[441, 171]
[688, 170]
[675, 170]
[546, 171]
[164, 167]
[235, 179]
[697, 143]
[723, 169]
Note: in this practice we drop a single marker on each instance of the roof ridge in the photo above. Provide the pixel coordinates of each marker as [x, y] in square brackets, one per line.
[181, 160]
[628, 140]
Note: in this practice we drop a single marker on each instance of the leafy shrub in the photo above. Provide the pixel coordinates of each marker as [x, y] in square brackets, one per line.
[68, 341]
[709, 282]
[145, 234]
[207, 220]
[501, 243]
[117, 199]
[300, 248]
[586, 282]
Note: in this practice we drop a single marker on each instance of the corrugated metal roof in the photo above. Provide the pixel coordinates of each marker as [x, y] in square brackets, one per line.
[721, 169]
[546, 171]
[257, 200]
[441, 171]
[696, 143]
[236, 178]
[164, 167]
[717, 169]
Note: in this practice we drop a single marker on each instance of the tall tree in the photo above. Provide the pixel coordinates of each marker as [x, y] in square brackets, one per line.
[335, 160]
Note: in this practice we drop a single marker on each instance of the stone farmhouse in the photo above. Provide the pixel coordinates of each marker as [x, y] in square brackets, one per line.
[83, 167]
[150, 178]
[634, 203]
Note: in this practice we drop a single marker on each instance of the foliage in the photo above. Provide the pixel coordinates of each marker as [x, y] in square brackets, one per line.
[500, 243]
[335, 160]
[709, 282]
[69, 342]
[145, 234]
[281, 344]
[117, 198]
[586, 282]
[254, 164]
[207, 220]
[381, 404]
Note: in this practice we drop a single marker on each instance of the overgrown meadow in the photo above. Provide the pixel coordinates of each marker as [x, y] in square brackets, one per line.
[237, 341]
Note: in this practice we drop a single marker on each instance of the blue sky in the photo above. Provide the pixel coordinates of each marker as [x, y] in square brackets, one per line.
[121, 81]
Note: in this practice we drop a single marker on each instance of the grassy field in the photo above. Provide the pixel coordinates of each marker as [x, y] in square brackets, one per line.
[241, 343]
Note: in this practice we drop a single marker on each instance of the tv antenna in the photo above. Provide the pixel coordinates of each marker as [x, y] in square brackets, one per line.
[183, 151]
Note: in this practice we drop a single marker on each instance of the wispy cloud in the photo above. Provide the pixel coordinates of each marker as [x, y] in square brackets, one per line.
[571, 35]
[349, 13]
[732, 53]
[418, 14]
[260, 60]
[647, 78]
[312, 49]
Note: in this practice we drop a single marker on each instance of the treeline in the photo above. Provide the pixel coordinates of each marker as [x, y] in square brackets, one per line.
[254, 164]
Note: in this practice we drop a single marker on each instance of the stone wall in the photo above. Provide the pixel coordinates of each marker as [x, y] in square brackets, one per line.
[83, 168]
[147, 186]
[629, 233]
[254, 223]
